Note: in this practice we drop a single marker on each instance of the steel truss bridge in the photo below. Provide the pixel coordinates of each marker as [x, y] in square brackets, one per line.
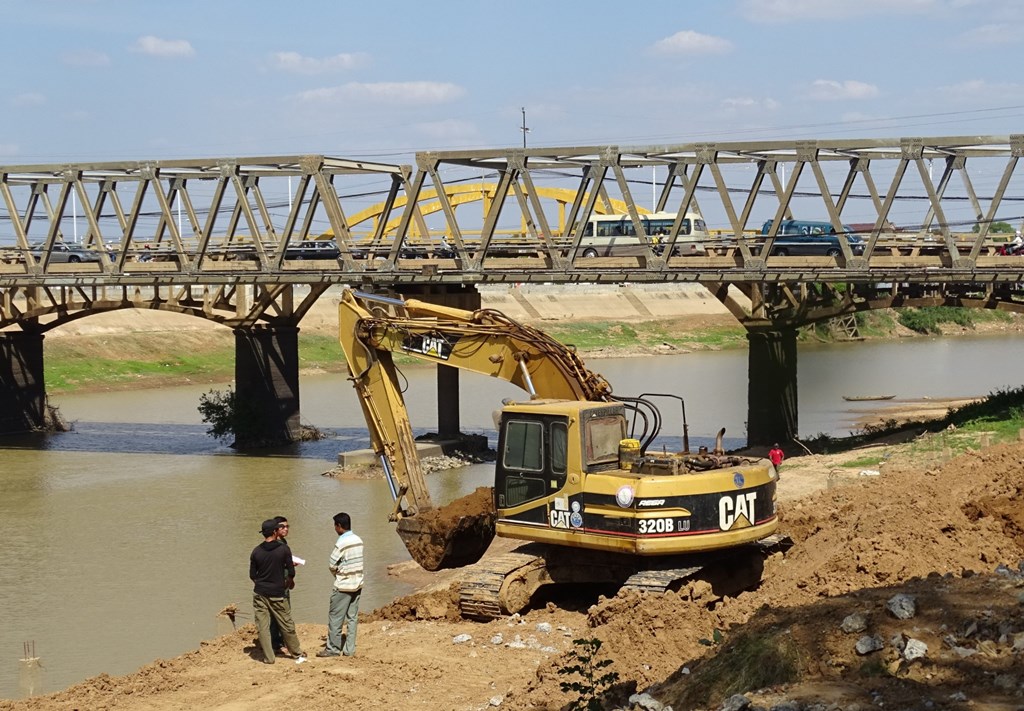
[216, 238]
[240, 241]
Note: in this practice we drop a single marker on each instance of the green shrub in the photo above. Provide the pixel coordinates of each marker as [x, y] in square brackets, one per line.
[587, 681]
[929, 318]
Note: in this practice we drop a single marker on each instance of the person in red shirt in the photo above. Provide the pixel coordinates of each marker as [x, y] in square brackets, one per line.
[776, 456]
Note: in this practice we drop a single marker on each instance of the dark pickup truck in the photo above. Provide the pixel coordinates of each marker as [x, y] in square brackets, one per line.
[312, 249]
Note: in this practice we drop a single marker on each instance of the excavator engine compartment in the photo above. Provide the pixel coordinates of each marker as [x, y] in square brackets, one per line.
[676, 464]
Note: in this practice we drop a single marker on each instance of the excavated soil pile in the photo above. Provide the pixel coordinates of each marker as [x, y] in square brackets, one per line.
[819, 630]
[865, 541]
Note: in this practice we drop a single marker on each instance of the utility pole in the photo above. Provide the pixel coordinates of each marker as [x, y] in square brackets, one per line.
[524, 129]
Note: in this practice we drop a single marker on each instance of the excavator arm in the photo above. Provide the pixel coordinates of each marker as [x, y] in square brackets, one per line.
[372, 327]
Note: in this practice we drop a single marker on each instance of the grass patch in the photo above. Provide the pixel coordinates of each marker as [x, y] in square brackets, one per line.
[995, 419]
[147, 359]
[612, 334]
[864, 462]
[930, 318]
[750, 661]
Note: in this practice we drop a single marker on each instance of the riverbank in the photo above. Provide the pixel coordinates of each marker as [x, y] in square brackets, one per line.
[862, 536]
[134, 349]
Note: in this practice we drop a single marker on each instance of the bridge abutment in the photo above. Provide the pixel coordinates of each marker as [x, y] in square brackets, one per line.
[267, 384]
[22, 384]
[772, 387]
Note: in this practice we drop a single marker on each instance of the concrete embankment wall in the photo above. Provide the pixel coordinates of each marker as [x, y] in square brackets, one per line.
[609, 302]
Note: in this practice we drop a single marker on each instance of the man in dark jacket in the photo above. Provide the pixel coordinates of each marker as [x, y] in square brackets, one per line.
[276, 638]
[270, 569]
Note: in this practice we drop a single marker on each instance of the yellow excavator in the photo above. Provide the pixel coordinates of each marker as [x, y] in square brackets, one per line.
[574, 473]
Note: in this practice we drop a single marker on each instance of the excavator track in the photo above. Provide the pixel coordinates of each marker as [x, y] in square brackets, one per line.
[503, 585]
[480, 592]
[663, 579]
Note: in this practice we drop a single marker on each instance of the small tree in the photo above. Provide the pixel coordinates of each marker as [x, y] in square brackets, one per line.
[227, 416]
[591, 684]
[996, 228]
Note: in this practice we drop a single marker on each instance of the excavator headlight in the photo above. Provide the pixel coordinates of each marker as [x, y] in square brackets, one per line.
[624, 496]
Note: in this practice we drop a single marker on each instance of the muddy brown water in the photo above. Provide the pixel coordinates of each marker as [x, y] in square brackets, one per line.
[124, 538]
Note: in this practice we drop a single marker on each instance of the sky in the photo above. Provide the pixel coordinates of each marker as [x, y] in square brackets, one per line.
[96, 80]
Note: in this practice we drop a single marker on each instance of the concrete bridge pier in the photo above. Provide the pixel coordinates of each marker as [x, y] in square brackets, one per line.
[22, 385]
[771, 387]
[267, 384]
[459, 297]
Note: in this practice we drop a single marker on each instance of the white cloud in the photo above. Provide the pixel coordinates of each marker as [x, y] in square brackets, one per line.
[295, 62]
[690, 42]
[746, 103]
[27, 99]
[974, 89]
[831, 90]
[157, 47]
[86, 58]
[399, 92]
[795, 10]
[986, 35]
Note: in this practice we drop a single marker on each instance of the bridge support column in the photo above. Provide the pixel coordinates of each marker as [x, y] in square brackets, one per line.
[459, 297]
[22, 385]
[267, 384]
[771, 388]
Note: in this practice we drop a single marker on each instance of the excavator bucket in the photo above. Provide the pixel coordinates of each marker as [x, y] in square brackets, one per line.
[451, 536]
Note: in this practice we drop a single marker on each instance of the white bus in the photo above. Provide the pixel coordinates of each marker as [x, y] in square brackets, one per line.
[615, 235]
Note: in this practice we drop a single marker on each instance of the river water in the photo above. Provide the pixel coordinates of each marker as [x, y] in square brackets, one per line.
[124, 538]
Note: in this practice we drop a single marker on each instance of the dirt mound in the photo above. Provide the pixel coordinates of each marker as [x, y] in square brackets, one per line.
[960, 520]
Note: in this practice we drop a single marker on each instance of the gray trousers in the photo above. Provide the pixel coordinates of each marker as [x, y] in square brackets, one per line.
[266, 609]
[344, 608]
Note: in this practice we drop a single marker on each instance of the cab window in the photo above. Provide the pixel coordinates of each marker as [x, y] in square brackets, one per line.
[603, 437]
[559, 449]
[524, 446]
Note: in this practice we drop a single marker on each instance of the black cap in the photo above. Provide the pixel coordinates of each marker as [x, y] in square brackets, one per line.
[268, 527]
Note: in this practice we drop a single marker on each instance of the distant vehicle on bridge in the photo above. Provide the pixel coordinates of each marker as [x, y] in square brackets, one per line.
[616, 236]
[313, 249]
[804, 238]
[68, 253]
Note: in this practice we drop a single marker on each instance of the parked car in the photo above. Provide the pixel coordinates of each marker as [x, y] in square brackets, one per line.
[313, 249]
[68, 253]
[811, 239]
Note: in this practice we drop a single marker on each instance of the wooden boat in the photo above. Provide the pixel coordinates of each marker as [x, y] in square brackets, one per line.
[860, 398]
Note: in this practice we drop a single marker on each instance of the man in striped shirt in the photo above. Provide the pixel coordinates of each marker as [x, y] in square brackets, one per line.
[346, 563]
